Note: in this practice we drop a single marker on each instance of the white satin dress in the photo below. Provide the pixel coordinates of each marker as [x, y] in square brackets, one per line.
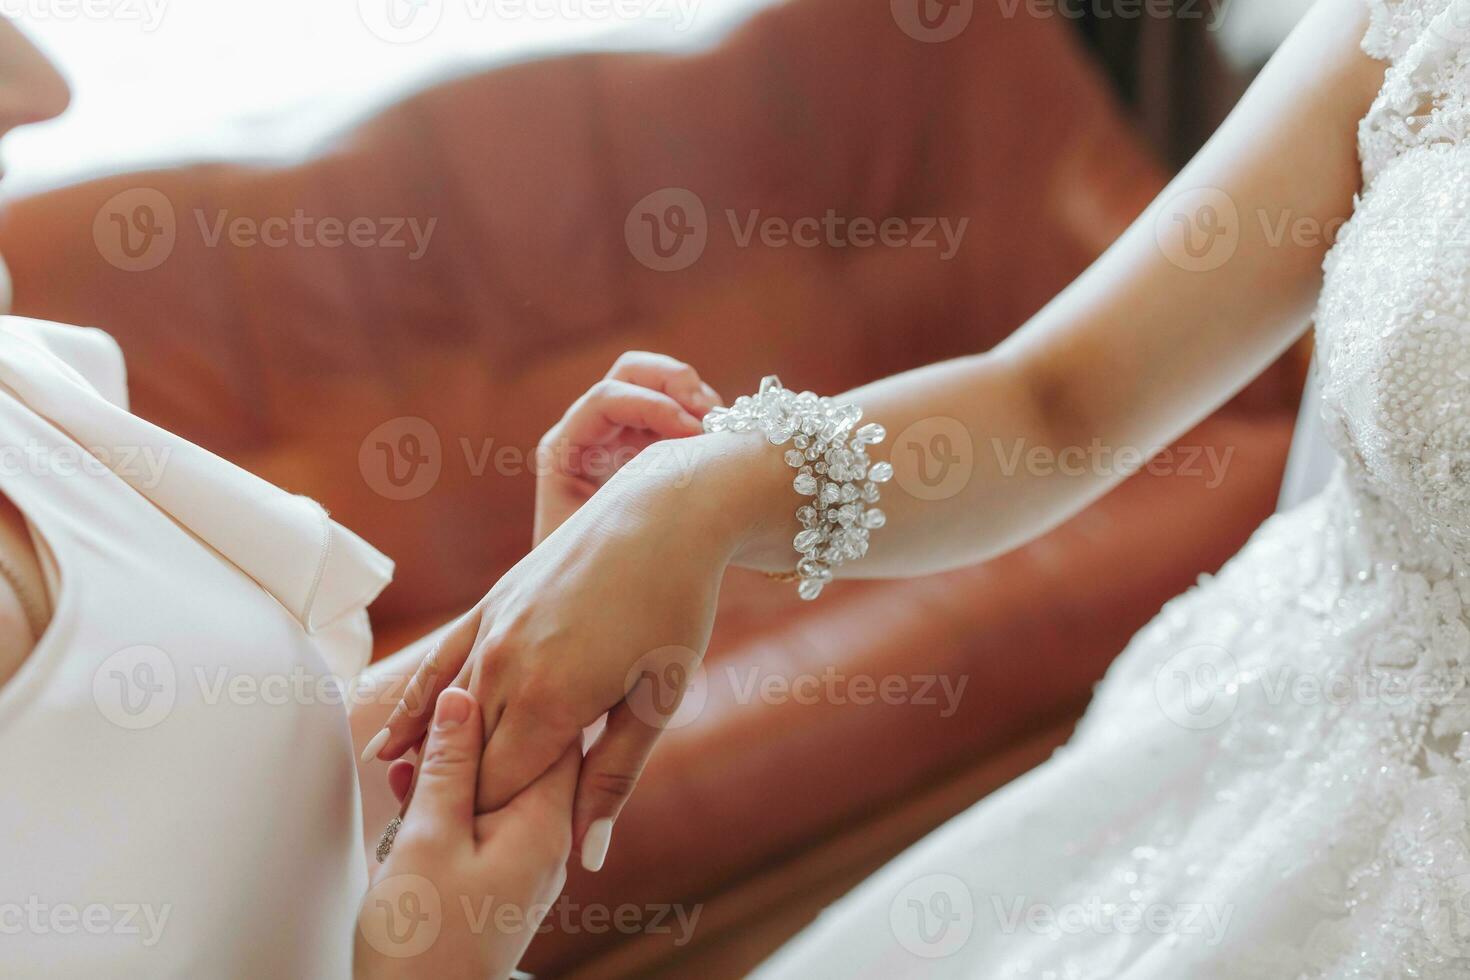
[179, 790]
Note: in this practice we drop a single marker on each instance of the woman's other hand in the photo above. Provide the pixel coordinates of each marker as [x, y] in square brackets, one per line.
[462, 895]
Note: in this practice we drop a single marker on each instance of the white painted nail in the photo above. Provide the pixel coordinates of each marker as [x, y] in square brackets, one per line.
[371, 752]
[594, 845]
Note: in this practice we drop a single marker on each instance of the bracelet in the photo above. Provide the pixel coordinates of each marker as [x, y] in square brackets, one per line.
[832, 467]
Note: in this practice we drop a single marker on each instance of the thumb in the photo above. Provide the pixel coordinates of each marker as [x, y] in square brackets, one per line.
[609, 775]
[443, 803]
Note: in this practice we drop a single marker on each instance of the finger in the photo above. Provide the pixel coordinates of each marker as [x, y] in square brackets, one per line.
[437, 671]
[444, 792]
[610, 773]
[614, 405]
[523, 746]
[400, 778]
[547, 801]
[667, 374]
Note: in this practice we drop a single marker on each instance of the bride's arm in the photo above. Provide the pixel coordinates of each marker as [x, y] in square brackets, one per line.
[1144, 345]
[620, 599]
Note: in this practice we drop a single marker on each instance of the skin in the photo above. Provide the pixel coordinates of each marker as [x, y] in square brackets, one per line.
[1133, 354]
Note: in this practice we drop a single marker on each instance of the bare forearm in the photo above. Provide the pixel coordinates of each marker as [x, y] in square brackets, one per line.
[1157, 334]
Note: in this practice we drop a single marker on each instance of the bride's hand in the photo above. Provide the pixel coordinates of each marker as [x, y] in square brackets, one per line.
[644, 398]
[617, 601]
[462, 895]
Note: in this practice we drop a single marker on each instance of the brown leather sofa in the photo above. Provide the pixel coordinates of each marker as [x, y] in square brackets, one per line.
[285, 359]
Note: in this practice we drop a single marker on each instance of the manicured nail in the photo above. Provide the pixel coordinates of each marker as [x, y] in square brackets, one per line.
[453, 709]
[690, 421]
[375, 746]
[594, 844]
[712, 396]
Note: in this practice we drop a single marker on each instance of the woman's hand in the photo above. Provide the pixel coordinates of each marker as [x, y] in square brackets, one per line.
[610, 615]
[462, 895]
[644, 398]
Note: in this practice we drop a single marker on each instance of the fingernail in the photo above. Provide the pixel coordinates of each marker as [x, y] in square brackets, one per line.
[375, 746]
[452, 710]
[594, 844]
[712, 395]
[690, 420]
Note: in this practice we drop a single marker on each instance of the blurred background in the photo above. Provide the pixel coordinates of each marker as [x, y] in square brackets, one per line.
[516, 167]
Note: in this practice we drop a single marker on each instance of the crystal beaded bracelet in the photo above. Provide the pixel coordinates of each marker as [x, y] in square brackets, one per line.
[832, 467]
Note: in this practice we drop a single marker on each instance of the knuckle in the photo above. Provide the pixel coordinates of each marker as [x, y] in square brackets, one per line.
[440, 758]
[613, 783]
[604, 389]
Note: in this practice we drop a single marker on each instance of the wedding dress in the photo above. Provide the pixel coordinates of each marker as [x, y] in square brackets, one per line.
[1274, 778]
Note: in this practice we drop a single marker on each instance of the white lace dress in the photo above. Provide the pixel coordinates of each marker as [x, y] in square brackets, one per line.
[1274, 779]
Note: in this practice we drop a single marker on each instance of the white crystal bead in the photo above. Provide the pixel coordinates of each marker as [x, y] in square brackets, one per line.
[812, 568]
[805, 484]
[830, 493]
[807, 540]
[807, 515]
[874, 518]
[794, 457]
[809, 589]
[880, 472]
[869, 434]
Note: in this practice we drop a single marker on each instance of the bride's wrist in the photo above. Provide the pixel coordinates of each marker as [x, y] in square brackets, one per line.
[730, 492]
